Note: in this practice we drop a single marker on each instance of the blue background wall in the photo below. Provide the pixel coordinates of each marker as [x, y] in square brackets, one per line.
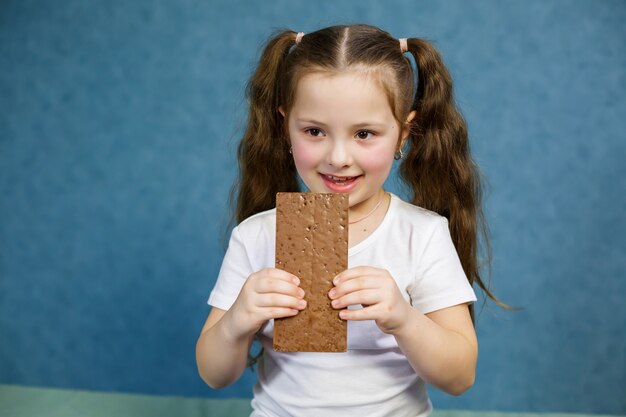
[118, 124]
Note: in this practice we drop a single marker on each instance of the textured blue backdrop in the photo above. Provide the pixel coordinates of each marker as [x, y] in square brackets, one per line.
[118, 124]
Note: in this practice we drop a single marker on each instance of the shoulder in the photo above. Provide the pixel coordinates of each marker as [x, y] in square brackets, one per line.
[410, 229]
[411, 215]
[260, 225]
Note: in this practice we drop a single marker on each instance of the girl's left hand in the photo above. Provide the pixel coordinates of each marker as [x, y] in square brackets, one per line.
[377, 291]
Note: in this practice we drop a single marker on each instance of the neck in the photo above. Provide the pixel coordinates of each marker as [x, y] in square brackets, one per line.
[372, 211]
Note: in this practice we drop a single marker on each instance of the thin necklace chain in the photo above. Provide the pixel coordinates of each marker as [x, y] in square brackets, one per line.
[371, 212]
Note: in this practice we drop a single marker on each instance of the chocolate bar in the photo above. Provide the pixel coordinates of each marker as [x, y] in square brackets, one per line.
[312, 243]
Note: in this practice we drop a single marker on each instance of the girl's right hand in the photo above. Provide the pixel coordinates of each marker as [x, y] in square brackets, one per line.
[267, 294]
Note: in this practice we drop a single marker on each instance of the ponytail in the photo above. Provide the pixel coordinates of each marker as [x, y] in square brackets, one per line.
[439, 168]
[265, 166]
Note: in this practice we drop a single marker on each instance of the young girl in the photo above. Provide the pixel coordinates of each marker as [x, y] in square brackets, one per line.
[336, 107]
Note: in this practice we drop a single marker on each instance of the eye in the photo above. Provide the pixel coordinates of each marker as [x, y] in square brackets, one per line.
[364, 134]
[313, 132]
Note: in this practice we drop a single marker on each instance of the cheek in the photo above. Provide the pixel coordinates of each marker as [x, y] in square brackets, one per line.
[305, 156]
[376, 161]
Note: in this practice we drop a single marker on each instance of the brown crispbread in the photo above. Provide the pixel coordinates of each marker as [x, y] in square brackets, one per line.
[312, 243]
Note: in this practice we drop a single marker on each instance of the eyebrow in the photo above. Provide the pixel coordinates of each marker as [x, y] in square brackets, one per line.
[363, 124]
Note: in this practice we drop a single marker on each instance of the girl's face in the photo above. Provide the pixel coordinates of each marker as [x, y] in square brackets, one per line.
[343, 136]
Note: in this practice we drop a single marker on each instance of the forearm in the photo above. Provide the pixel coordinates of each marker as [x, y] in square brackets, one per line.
[220, 355]
[442, 357]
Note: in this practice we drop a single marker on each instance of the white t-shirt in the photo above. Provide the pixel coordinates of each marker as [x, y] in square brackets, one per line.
[373, 378]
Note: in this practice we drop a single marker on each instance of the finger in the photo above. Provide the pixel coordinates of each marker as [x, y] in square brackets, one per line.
[367, 313]
[279, 312]
[278, 286]
[354, 273]
[279, 274]
[352, 285]
[366, 297]
[280, 300]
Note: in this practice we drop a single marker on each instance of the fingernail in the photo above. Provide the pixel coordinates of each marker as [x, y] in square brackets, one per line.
[295, 280]
[302, 303]
[331, 293]
[301, 293]
[335, 303]
[336, 280]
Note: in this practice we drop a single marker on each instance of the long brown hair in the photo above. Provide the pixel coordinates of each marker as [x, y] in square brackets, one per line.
[438, 167]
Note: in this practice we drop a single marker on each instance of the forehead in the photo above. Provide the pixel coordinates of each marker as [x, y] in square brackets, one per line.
[346, 95]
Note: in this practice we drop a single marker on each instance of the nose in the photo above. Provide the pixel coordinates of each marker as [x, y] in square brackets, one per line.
[339, 154]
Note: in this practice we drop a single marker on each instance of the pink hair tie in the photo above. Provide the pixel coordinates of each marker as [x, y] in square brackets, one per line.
[403, 46]
[299, 37]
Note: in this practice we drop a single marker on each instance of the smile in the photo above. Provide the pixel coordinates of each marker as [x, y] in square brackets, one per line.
[338, 184]
[339, 179]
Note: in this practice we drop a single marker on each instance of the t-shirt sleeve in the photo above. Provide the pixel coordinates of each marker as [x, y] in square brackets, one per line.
[440, 281]
[234, 272]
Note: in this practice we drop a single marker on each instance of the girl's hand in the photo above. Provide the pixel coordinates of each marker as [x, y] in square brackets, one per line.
[377, 291]
[267, 294]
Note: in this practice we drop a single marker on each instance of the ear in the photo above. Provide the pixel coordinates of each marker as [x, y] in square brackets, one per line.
[406, 128]
[285, 128]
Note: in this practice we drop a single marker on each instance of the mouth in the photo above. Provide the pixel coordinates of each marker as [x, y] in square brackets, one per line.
[337, 183]
[339, 180]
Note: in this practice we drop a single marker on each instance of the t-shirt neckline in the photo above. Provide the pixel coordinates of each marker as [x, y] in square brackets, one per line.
[384, 224]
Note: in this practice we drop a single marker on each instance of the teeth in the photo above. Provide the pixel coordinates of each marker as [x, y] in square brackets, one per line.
[339, 178]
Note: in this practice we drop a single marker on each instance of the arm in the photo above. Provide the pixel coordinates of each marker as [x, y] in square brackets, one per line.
[220, 355]
[440, 346]
[222, 348]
